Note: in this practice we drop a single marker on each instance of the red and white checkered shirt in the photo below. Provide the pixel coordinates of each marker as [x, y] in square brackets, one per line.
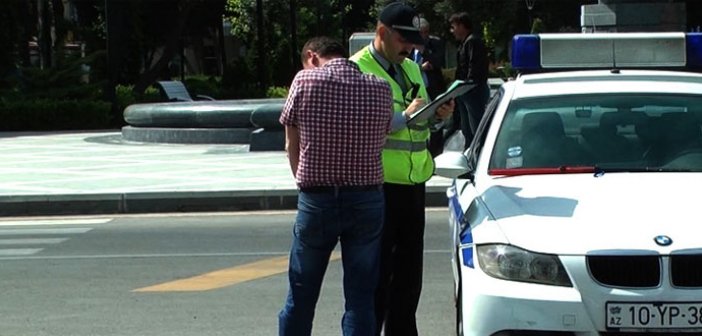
[343, 117]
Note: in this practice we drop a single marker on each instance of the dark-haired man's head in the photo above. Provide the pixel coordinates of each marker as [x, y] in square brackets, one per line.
[461, 25]
[319, 50]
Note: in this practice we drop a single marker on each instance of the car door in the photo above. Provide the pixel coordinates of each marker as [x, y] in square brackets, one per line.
[464, 203]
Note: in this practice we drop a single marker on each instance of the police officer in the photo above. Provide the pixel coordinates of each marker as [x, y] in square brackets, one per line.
[407, 165]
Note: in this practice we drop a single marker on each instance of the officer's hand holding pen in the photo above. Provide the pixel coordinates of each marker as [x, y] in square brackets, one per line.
[414, 106]
[444, 111]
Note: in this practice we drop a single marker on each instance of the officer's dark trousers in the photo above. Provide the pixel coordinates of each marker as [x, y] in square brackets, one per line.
[401, 256]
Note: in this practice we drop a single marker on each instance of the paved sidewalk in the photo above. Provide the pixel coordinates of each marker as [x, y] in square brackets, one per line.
[99, 173]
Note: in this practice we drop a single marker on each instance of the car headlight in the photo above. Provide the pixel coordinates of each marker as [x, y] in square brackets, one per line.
[512, 263]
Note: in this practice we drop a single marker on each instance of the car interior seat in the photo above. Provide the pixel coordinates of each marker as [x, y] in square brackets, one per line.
[649, 136]
[545, 143]
[680, 131]
[607, 144]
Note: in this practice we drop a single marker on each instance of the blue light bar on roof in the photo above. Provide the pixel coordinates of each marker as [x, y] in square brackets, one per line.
[694, 49]
[607, 50]
[526, 52]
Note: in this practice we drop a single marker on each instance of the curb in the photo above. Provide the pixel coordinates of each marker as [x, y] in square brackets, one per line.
[163, 202]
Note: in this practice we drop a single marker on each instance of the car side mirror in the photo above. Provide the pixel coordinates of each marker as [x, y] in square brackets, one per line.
[451, 164]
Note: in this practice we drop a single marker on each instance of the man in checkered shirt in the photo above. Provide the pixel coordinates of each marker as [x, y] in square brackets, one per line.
[336, 120]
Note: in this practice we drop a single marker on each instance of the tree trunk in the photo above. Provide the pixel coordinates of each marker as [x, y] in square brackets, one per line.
[261, 64]
[114, 24]
[320, 18]
[24, 36]
[170, 48]
[294, 55]
[342, 14]
[59, 38]
[44, 33]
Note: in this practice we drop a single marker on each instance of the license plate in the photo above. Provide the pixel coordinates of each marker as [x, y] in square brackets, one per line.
[654, 315]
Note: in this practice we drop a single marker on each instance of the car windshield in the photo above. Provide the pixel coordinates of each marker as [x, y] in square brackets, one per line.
[614, 132]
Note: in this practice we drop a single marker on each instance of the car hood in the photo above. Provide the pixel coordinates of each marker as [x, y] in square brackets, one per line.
[579, 214]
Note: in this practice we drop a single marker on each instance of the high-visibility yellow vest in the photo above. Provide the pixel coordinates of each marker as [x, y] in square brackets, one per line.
[406, 159]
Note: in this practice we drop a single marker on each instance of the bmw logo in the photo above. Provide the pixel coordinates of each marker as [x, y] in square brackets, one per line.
[663, 240]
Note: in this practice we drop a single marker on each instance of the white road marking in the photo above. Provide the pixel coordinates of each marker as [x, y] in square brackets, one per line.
[7, 232]
[19, 251]
[62, 221]
[168, 255]
[31, 241]
[25, 245]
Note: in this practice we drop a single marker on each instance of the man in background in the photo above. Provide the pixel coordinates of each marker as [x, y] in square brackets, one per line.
[431, 59]
[471, 65]
[432, 55]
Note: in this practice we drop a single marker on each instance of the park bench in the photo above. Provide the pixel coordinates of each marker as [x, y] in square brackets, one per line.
[175, 91]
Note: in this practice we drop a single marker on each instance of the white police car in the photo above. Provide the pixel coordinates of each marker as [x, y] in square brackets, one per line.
[576, 209]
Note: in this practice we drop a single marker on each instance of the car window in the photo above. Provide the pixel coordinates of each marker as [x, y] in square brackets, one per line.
[632, 131]
[479, 140]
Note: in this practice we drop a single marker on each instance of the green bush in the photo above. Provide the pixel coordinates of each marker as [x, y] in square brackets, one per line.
[50, 115]
[65, 83]
[124, 95]
[277, 92]
[240, 82]
[203, 85]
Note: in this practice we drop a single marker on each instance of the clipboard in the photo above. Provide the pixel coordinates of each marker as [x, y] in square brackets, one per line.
[457, 88]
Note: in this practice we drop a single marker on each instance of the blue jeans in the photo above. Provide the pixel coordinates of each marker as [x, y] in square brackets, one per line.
[356, 219]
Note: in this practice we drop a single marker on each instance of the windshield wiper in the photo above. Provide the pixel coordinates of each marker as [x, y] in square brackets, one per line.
[541, 171]
[599, 170]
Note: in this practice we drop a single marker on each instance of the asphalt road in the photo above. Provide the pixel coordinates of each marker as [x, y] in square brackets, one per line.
[192, 274]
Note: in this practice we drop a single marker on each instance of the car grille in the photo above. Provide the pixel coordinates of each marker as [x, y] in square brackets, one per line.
[625, 271]
[686, 270]
[533, 333]
[645, 271]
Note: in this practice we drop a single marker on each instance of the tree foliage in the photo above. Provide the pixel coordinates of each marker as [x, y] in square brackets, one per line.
[152, 33]
[334, 18]
[10, 38]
